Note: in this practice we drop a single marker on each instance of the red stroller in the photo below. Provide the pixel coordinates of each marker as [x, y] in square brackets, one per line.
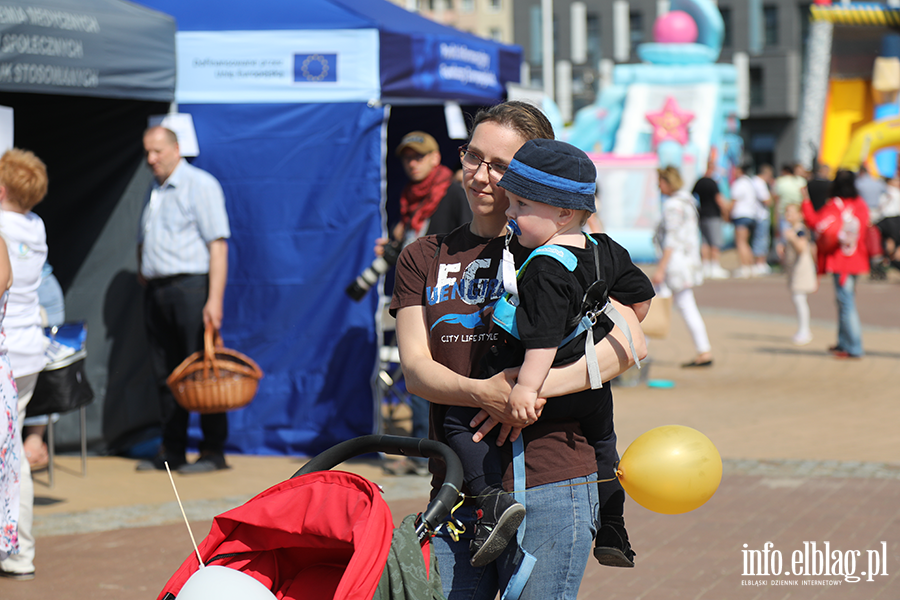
[329, 534]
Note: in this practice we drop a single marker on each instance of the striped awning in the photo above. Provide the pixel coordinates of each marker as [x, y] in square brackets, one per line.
[857, 13]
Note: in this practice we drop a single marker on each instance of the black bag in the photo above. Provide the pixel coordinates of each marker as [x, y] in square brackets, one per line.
[61, 387]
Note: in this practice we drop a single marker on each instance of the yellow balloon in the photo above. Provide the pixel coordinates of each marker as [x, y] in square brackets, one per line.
[671, 469]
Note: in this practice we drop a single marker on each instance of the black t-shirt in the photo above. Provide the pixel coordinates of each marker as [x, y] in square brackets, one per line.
[550, 296]
[452, 211]
[706, 190]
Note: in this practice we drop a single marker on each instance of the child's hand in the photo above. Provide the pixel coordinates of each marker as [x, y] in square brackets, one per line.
[522, 404]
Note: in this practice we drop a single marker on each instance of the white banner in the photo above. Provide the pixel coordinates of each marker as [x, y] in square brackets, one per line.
[247, 67]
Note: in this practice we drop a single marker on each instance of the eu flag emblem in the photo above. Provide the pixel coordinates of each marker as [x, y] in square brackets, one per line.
[315, 67]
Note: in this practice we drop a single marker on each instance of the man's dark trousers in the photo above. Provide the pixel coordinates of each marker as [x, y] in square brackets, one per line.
[173, 312]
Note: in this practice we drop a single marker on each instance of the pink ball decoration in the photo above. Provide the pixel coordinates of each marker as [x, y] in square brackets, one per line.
[675, 27]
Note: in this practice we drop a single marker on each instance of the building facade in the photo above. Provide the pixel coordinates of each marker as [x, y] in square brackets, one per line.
[491, 19]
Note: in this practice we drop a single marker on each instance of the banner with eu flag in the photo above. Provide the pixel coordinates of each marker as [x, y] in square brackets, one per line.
[315, 67]
[222, 67]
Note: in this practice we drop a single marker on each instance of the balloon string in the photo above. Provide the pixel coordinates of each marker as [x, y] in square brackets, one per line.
[190, 532]
[564, 485]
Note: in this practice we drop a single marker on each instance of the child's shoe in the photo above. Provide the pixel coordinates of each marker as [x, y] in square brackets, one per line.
[611, 546]
[498, 517]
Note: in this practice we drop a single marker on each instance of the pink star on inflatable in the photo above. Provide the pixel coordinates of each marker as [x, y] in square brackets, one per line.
[670, 123]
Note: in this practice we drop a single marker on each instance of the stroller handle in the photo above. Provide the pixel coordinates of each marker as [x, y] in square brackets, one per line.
[439, 509]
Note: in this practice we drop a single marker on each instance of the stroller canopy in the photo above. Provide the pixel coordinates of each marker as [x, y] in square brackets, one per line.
[323, 535]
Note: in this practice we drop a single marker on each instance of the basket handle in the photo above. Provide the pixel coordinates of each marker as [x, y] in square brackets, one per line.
[211, 341]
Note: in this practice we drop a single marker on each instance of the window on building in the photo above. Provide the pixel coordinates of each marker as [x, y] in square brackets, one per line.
[467, 5]
[536, 45]
[636, 28]
[594, 42]
[804, 35]
[757, 92]
[726, 20]
[762, 148]
[770, 22]
[494, 5]
[496, 34]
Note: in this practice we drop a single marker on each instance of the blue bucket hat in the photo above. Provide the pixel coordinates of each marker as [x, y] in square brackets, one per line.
[552, 172]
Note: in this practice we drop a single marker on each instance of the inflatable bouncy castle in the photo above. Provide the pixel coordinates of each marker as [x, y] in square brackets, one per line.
[851, 112]
[678, 107]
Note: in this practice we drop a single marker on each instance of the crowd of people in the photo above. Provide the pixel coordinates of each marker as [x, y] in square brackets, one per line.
[557, 331]
[809, 224]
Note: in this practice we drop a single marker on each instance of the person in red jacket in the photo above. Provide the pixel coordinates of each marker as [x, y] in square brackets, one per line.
[840, 228]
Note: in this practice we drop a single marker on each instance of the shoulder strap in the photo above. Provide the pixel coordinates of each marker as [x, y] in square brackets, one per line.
[596, 249]
[563, 255]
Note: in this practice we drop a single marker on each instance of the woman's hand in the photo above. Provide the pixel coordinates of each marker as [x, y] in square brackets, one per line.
[659, 276]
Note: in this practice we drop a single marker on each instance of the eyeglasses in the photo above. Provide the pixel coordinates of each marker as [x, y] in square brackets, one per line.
[472, 162]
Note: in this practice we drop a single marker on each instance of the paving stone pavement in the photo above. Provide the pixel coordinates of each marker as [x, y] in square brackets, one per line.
[809, 447]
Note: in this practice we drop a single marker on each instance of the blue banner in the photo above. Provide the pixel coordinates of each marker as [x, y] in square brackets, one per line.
[440, 66]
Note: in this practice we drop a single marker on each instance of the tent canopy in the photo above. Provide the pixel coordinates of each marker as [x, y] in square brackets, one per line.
[288, 104]
[102, 48]
[418, 58]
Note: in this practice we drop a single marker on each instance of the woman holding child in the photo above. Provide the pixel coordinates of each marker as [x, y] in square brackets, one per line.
[444, 286]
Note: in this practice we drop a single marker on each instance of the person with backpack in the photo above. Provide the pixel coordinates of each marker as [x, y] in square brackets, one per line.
[840, 228]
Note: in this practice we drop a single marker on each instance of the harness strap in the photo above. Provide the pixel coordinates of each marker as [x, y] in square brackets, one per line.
[505, 308]
[525, 559]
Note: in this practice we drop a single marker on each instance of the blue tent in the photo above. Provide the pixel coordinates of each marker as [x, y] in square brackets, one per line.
[290, 102]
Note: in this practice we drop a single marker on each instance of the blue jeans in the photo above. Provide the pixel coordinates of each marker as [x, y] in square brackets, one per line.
[759, 242]
[560, 526]
[849, 328]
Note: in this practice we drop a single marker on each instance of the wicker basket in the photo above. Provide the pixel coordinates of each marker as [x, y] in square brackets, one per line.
[215, 379]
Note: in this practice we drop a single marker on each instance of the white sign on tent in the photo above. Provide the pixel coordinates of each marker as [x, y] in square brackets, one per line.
[225, 67]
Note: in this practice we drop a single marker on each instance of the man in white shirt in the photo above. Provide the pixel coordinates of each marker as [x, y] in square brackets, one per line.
[744, 215]
[183, 265]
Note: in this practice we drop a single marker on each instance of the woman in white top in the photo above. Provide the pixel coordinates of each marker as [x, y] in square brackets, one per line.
[23, 184]
[680, 267]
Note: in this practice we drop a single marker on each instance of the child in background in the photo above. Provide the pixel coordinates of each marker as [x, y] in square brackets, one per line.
[551, 186]
[800, 269]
